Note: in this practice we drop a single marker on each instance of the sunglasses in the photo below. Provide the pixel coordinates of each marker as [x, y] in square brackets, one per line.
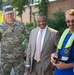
[68, 21]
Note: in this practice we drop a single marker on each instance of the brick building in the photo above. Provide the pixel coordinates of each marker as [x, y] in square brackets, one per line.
[52, 7]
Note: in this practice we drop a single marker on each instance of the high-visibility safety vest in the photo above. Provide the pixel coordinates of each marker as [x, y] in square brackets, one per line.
[1, 17]
[69, 43]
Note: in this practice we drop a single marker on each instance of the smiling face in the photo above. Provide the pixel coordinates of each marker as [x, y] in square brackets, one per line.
[9, 18]
[69, 16]
[42, 21]
[70, 22]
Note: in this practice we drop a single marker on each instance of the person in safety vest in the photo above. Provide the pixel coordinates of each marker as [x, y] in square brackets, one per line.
[64, 59]
[1, 17]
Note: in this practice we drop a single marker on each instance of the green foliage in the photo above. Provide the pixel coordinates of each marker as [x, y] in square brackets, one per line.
[19, 6]
[24, 43]
[4, 0]
[30, 26]
[43, 6]
[34, 19]
[1, 2]
[58, 21]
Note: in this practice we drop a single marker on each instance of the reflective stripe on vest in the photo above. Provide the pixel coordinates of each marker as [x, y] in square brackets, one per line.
[69, 42]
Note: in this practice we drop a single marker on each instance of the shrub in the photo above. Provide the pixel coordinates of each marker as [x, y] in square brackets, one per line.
[58, 21]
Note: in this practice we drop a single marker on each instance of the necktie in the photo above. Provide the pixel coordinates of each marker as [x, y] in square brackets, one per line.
[38, 47]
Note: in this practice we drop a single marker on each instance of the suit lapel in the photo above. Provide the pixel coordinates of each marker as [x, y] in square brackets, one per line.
[46, 38]
[34, 39]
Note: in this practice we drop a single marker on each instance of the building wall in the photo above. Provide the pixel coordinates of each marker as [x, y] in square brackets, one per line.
[26, 14]
[60, 5]
[52, 7]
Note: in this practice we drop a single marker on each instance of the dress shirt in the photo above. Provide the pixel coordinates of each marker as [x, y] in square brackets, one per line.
[42, 39]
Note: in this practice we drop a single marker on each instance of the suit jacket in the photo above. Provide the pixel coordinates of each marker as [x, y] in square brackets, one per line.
[49, 46]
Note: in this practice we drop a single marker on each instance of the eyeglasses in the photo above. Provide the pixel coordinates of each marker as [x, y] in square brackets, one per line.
[68, 21]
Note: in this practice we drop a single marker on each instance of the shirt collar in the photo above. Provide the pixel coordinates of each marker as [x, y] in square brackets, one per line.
[44, 28]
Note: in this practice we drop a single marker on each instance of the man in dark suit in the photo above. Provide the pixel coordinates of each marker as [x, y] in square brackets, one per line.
[48, 45]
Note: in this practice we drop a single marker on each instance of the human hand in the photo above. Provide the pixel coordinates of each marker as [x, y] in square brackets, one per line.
[60, 65]
[28, 69]
[63, 65]
[53, 57]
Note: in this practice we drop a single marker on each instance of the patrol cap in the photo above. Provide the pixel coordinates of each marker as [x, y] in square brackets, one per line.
[8, 9]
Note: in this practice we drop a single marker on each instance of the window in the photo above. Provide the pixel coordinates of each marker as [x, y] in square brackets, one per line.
[52, 0]
[36, 1]
[33, 1]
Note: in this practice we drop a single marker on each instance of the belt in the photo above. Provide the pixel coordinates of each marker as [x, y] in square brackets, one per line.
[35, 61]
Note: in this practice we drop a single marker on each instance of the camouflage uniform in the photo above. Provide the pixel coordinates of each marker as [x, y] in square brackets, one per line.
[11, 47]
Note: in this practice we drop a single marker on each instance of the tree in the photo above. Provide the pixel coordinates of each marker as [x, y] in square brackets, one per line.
[19, 6]
[1, 2]
[58, 21]
[43, 6]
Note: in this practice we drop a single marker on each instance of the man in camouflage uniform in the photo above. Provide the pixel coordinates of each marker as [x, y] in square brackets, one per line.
[11, 43]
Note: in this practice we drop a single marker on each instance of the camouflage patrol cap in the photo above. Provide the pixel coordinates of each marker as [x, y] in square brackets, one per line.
[8, 9]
